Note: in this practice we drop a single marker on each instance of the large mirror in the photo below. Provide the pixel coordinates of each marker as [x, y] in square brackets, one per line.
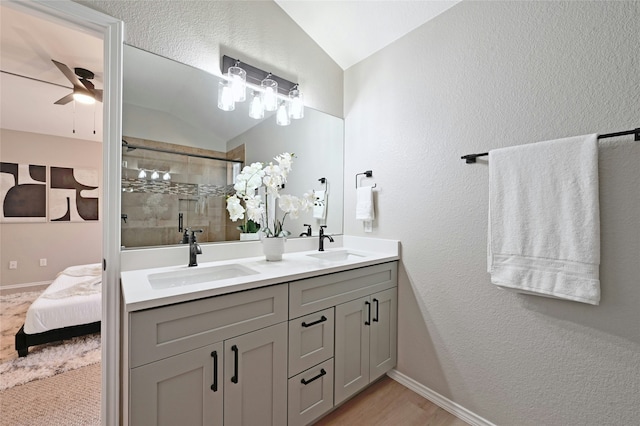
[180, 155]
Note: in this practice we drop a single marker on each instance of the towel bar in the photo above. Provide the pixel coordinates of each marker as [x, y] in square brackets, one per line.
[471, 158]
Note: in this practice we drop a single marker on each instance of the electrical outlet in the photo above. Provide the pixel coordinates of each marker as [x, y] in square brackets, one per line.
[43, 262]
[13, 264]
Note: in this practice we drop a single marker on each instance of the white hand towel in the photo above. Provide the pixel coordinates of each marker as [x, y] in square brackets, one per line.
[320, 204]
[364, 206]
[544, 219]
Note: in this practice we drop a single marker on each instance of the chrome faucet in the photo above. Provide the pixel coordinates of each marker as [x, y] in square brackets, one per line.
[322, 237]
[194, 248]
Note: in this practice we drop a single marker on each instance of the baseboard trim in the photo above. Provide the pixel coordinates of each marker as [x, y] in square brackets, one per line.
[441, 401]
[16, 288]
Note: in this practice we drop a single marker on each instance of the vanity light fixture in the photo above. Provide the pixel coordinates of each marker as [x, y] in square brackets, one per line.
[142, 174]
[256, 109]
[238, 79]
[225, 96]
[268, 93]
[282, 115]
[296, 104]
[166, 176]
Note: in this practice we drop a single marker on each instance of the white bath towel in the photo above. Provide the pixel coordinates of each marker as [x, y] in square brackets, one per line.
[364, 206]
[320, 204]
[544, 219]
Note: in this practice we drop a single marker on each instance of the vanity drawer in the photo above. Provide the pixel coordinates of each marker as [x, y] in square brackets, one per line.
[314, 294]
[311, 394]
[310, 340]
[162, 332]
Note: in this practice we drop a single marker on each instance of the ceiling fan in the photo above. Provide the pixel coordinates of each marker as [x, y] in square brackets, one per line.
[83, 89]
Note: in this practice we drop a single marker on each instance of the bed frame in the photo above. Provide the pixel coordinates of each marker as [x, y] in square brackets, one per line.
[24, 340]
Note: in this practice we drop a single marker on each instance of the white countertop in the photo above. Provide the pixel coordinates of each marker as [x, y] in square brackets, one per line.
[138, 293]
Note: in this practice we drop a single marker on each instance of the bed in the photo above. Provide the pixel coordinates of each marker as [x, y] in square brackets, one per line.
[71, 306]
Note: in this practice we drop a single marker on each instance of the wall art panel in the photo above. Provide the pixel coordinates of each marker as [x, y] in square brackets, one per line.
[23, 191]
[73, 195]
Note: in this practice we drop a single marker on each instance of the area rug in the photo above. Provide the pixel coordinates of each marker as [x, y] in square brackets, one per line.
[43, 360]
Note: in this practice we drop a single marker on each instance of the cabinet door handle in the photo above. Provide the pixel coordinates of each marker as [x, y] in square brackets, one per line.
[306, 382]
[180, 222]
[368, 321]
[214, 386]
[234, 379]
[377, 313]
[322, 319]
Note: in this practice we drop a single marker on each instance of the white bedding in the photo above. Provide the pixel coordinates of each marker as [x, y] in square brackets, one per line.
[48, 313]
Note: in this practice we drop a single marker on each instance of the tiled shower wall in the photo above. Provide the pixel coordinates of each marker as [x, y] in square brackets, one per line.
[197, 189]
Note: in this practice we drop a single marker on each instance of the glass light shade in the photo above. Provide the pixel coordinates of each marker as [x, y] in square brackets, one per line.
[296, 105]
[166, 176]
[155, 175]
[83, 96]
[142, 174]
[238, 78]
[256, 109]
[225, 96]
[269, 94]
[282, 116]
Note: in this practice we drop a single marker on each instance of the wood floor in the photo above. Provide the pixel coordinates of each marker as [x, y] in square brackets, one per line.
[387, 402]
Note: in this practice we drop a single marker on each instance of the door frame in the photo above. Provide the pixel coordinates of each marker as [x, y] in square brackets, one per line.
[111, 30]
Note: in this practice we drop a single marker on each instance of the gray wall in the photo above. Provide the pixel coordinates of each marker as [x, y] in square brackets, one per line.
[486, 75]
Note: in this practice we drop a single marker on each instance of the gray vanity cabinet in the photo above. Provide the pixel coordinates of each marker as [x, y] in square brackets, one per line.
[284, 354]
[365, 344]
[215, 361]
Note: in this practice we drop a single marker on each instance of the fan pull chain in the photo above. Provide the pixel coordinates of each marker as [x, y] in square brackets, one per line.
[94, 118]
[74, 117]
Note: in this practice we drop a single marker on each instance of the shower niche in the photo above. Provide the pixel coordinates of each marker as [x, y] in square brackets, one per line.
[167, 188]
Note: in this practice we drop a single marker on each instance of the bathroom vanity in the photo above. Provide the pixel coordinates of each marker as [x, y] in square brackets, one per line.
[260, 342]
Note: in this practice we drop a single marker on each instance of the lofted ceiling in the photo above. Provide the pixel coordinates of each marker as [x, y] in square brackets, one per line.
[348, 31]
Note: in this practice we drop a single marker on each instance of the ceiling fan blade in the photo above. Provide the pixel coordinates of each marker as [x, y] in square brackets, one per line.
[65, 100]
[97, 93]
[68, 73]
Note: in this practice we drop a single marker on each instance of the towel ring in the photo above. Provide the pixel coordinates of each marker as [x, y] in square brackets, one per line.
[368, 174]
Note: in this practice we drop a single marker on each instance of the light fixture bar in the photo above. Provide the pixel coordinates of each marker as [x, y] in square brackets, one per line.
[256, 75]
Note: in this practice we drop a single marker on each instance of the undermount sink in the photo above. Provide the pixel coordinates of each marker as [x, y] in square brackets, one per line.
[337, 255]
[198, 275]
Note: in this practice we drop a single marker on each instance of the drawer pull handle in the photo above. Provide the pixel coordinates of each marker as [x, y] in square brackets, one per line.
[322, 319]
[214, 386]
[368, 321]
[377, 313]
[234, 379]
[306, 382]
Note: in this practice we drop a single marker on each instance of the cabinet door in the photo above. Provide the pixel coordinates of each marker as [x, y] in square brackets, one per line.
[383, 333]
[351, 347]
[255, 387]
[184, 389]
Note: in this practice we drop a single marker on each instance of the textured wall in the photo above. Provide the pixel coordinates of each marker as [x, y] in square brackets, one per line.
[197, 33]
[486, 75]
[62, 244]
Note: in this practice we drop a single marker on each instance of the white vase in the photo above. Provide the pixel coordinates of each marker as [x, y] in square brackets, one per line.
[249, 236]
[273, 248]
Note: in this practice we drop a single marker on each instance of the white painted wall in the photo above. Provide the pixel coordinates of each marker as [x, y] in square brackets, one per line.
[487, 75]
[62, 244]
[198, 33]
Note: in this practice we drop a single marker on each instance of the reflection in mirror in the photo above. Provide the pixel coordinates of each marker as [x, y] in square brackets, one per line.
[180, 155]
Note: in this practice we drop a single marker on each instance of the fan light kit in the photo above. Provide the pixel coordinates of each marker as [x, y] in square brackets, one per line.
[269, 92]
